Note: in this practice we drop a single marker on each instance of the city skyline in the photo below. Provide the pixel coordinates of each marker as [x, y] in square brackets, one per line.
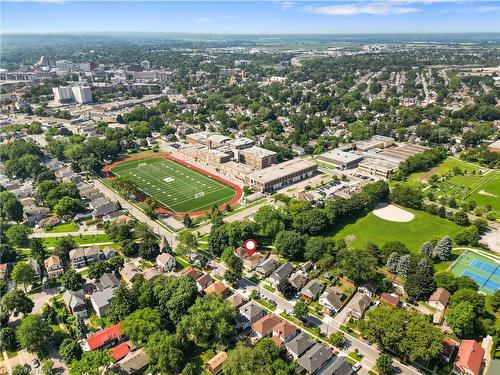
[251, 17]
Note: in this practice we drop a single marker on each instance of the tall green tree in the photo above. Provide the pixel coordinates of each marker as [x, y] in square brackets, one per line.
[141, 324]
[33, 334]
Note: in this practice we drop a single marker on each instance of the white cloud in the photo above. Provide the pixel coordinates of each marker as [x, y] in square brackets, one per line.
[287, 4]
[375, 8]
[488, 9]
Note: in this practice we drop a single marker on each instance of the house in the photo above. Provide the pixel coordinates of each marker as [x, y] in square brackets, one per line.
[249, 313]
[218, 288]
[34, 214]
[264, 326]
[106, 281]
[307, 266]
[282, 273]
[368, 288]
[75, 302]
[134, 362]
[100, 301]
[312, 360]
[104, 339]
[82, 256]
[214, 365]
[129, 272]
[250, 263]
[236, 300]
[151, 273]
[192, 273]
[439, 299]
[312, 290]
[390, 299]
[92, 254]
[120, 351]
[165, 262]
[469, 358]
[54, 267]
[36, 267]
[330, 299]
[284, 332]
[337, 366]
[204, 281]
[449, 347]
[109, 252]
[357, 305]
[49, 222]
[267, 267]
[241, 253]
[298, 280]
[103, 210]
[298, 345]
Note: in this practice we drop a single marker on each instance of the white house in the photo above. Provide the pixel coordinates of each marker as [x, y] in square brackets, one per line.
[165, 262]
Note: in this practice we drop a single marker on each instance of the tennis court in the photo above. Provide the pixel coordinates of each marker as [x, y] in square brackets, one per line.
[485, 271]
[179, 187]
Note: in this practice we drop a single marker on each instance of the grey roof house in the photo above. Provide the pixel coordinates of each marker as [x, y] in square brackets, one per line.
[100, 301]
[312, 290]
[36, 267]
[298, 345]
[314, 358]
[75, 302]
[106, 281]
[267, 267]
[331, 300]
[249, 314]
[283, 272]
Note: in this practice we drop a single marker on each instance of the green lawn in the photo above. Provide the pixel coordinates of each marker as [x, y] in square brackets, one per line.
[79, 240]
[62, 228]
[370, 228]
[175, 186]
[445, 166]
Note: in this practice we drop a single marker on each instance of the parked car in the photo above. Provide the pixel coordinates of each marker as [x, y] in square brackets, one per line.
[35, 363]
[356, 366]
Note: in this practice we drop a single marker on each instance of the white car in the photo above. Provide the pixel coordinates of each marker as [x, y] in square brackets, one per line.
[356, 366]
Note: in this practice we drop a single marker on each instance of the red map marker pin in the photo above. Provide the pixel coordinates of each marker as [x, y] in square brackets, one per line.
[250, 246]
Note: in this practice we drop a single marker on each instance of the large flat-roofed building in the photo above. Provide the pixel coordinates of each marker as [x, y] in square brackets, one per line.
[236, 170]
[280, 175]
[216, 140]
[69, 94]
[377, 167]
[403, 152]
[198, 138]
[212, 157]
[377, 141]
[340, 159]
[258, 157]
[239, 144]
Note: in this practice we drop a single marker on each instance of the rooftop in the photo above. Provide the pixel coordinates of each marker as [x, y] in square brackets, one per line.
[281, 170]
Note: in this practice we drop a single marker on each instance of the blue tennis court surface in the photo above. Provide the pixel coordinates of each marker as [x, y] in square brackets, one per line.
[486, 267]
[484, 270]
[479, 279]
[491, 285]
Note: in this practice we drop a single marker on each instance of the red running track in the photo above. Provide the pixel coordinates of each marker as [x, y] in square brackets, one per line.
[239, 193]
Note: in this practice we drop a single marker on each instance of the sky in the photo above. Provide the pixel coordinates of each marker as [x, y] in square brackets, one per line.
[251, 17]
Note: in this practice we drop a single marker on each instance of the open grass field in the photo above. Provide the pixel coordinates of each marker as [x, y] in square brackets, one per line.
[177, 187]
[424, 227]
[445, 166]
[63, 228]
[485, 271]
[79, 240]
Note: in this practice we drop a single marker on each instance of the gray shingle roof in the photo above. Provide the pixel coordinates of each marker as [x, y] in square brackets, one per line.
[315, 357]
[299, 344]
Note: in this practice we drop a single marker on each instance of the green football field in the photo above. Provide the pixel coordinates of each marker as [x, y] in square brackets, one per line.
[483, 270]
[175, 186]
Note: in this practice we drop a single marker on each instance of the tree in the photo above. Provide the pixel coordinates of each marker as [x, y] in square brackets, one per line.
[17, 235]
[16, 302]
[357, 265]
[72, 280]
[461, 218]
[97, 269]
[468, 236]
[286, 288]
[165, 352]
[7, 253]
[20, 370]
[64, 246]
[461, 319]
[337, 339]
[33, 334]
[290, 244]
[481, 225]
[235, 269]
[47, 367]
[443, 248]
[316, 247]
[407, 196]
[495, 301]
[384, 364]
[122, 303]
[188, 223]
[188, 238]
[23, 274]
[8, 339]
[38, 250]
[404, 264]
[67, 206]
[10, 208]
[393, 247]
[149, 248]
[427, 250]
[469, 295]
[209, 322]
[70, 350]
[420, 280]
[141, 324]
[422, 340]
[116, 263]
[300, 309]
[91, 363]
[393, 262]
[375, 252]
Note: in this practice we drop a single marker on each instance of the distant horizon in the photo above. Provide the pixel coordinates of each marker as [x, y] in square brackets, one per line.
[251, 17]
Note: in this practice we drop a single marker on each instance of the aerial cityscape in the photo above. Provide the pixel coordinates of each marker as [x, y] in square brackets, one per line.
[243, 187]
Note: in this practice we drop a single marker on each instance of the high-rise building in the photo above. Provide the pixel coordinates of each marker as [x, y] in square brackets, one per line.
[146, 64]
[64, 65]
[69, 94]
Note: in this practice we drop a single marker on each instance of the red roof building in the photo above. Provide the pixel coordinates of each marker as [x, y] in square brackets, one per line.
[120, 351]
[469, 358]
[105, 338]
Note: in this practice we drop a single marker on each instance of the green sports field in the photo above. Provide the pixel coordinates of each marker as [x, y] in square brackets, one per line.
[371, 228]
[483, 270]
[176, 187]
